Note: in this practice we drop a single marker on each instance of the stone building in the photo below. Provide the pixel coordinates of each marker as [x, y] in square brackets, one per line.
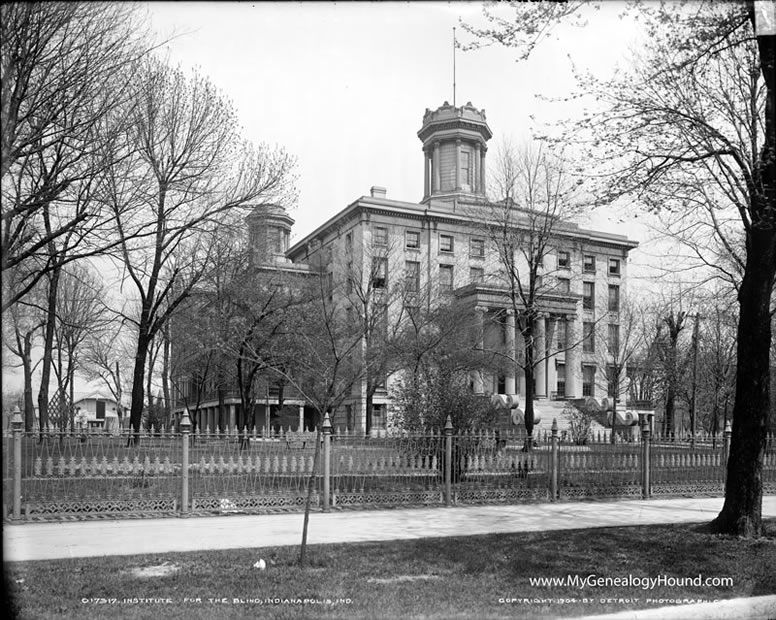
[439, 249]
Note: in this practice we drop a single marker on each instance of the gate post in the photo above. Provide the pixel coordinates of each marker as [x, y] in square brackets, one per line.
[326, 461]
[185, 427]
[448, 460]
[554, 462]
[16, 426]
[646, 490]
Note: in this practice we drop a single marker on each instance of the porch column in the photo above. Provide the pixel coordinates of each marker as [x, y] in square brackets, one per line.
[301, 418]
[479, 386]
[540, 347]
[552, 372]
[232, 419]
[573, 358]
[509, 378]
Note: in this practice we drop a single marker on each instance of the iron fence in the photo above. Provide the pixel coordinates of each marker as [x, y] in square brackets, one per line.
[65, 475]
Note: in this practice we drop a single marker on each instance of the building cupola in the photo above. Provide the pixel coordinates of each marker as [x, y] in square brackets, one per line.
[454, 146]
[269, 231]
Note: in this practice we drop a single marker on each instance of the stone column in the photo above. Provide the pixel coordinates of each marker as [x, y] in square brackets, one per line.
[573, 358]
[435, 184]
[520, 379]
[509, 379]
[482, 168]
[476, 176]
[479, 386]
[552, 371]
[232, 418]
[301, 418]
[427, 173]
[539, 352]
[457, 165]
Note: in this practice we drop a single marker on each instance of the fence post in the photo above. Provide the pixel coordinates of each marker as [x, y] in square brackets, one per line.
[646, 490]
[185, 427]
[448, 460]
[326, 461]
[16, 426]
[726, 447]
[554, 462]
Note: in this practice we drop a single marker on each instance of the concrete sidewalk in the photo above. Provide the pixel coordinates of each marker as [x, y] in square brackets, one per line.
[40, 541]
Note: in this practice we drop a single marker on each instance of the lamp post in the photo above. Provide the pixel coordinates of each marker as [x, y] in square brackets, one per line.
[16, 426]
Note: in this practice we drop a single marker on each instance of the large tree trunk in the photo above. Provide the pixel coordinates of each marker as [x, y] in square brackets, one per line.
[138, 392]
[528, 370]
[48, 345]
[29, 407]
[742, 511]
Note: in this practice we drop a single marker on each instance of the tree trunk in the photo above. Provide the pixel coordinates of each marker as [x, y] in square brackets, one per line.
[528, 370]
[742, 512]
[138, 395]
[29, 407]
[48, 345]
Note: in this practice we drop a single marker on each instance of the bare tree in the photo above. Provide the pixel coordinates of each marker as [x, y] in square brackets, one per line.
[535, 196]
[65, 71]
[621, 338]
[666, 123]
[80, 311]
[185, 174]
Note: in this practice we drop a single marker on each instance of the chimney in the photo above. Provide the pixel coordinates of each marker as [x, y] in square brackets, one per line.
[377, 192]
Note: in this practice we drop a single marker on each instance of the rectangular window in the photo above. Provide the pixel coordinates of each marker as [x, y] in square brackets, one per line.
[349, 240]
[614, 298]
[588, 295]
[564, 286]
[589, 263]
[564, 259]
[561, 384]
[412, 240]
[349, 281]
[588, 380]
[614, 267]
[561, 329]
[380, 236]
[446, 278]
[466, 175]
[476, 274]
[588, 337]
[614, 339]
[446, 243]
[412, 275]
[379, 272]
[477, 248]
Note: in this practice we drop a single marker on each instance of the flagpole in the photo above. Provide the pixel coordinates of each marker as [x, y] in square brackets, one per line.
[453, 66]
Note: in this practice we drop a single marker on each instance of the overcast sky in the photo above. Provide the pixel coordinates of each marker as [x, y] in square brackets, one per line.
[343, 87]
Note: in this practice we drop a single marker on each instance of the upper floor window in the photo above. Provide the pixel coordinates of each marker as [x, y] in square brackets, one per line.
[446, 243]
[466, 170]
[561, 331]
[446, 278]
[564, 286]
[564, 259]
[614, 298]
[614, 339]
[477, 248]
[379, 272]
[614, 266]
[588, 295]
[589, 263]
[412, 240]
[380, 236]
[412, 276]
[476, 274]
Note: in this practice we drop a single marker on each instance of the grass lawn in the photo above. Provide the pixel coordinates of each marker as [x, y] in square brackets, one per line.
[478, 576]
